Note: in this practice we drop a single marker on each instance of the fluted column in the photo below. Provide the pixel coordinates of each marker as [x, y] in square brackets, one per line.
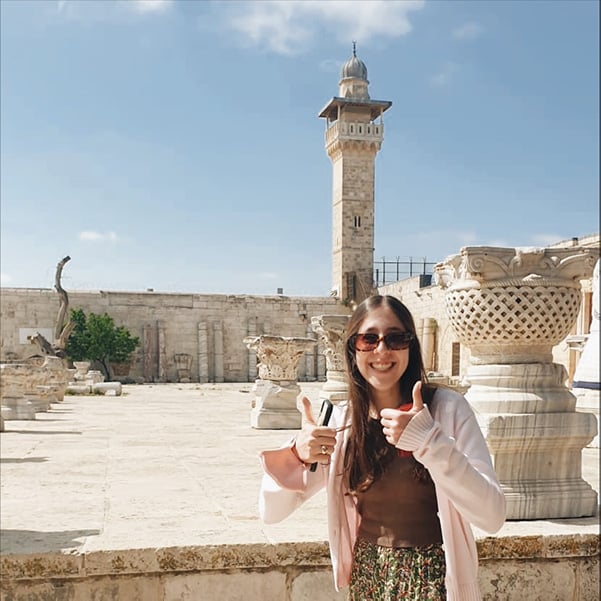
[276, 390]
[331, 331]
[510, 306]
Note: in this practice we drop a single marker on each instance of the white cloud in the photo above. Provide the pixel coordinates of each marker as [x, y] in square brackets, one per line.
[109, 10]
[151, 6]
[91, 236]
[285, 26]
[444, 76]
[5, 278]
[468, 31]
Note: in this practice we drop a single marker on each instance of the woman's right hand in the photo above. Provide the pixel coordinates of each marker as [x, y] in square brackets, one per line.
[314, 444]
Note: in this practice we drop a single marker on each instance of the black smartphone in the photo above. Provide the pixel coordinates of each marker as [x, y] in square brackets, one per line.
[324, 417]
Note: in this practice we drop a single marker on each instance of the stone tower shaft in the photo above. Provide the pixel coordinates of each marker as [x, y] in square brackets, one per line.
[354, 134]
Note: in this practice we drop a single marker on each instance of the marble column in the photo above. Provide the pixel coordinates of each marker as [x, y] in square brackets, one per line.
[586, 385]
[331, 331]
[429, 343]
[148, 346]
[203, 352]
[274, 405]
[218, 376]
[311, 358]
[251, 332]
[510, 306]
[162, 351]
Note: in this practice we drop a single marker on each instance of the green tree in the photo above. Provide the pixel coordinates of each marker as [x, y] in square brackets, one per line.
[97, 338]
[77, 343]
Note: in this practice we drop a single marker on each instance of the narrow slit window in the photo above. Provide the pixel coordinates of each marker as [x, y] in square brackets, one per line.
[357, 221]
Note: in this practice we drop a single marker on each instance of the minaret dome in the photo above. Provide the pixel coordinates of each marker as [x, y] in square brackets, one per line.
[353, 78]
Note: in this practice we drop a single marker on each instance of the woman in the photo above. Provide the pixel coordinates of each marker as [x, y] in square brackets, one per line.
[405, 466]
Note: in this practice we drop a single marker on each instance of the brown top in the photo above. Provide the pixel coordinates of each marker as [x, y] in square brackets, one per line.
[398, 510]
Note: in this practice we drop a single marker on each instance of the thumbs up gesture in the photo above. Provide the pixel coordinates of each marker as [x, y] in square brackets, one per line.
[314, 444]
[394, 421]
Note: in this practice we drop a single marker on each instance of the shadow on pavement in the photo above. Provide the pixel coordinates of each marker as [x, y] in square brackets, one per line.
[24, 460]
[33, 541]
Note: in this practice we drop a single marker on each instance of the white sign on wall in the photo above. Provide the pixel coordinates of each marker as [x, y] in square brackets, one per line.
[47, 333]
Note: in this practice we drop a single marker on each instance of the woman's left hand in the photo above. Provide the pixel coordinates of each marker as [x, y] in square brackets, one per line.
[394, 421]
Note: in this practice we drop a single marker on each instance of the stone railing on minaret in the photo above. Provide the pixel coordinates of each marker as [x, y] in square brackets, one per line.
[331, 331]
[510, 306]
[275, 392]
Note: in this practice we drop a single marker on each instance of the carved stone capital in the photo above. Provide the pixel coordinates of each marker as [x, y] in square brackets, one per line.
[512, 305]
[480, 264]
[331, 331]
[278, 355]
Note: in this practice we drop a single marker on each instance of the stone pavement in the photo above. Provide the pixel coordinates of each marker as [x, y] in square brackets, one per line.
[164, 465]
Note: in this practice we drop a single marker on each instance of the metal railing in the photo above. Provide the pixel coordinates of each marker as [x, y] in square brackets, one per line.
[387, 271]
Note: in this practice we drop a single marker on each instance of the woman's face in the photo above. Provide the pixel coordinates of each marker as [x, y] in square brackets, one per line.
[382, 368]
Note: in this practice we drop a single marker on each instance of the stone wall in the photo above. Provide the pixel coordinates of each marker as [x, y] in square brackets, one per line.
[536, 568]
[210, 328]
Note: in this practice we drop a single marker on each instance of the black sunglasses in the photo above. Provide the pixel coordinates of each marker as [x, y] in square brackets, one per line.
[395, 341]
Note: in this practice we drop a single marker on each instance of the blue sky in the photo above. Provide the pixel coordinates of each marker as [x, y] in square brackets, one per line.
[175, 145]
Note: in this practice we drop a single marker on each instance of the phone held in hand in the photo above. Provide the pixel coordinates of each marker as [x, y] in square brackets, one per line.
[324, 417]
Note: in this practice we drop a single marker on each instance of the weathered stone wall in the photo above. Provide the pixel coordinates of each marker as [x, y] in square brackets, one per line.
[536, 568]
[210, 328]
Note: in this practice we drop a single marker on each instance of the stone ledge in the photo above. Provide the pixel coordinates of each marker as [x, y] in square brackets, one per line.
[553, 546]
[255, 557]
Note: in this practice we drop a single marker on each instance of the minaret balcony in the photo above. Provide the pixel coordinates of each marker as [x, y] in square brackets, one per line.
[354, 130]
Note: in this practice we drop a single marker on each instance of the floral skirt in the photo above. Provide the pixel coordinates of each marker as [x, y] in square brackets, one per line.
[394, 574]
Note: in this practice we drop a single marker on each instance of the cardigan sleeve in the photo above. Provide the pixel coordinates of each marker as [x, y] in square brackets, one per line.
[457, 458]
[286, 484]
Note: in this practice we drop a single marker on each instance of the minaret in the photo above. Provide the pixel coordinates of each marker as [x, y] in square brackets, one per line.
[354, 134]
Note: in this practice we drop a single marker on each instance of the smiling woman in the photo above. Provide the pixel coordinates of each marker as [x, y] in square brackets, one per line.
[403, 482]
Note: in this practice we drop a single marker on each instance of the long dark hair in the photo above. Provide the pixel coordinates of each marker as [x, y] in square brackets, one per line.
[368, 452]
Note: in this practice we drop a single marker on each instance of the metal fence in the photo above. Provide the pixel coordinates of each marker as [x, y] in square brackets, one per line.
[387, 271]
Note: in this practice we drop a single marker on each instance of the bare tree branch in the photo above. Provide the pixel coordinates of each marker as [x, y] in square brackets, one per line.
[64, 299]
[62, 341]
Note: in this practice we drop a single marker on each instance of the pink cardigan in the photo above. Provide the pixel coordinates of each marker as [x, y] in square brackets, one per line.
[449, 443]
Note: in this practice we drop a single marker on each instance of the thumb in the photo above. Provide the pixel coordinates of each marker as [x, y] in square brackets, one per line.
[308, 411]
[418, 401]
